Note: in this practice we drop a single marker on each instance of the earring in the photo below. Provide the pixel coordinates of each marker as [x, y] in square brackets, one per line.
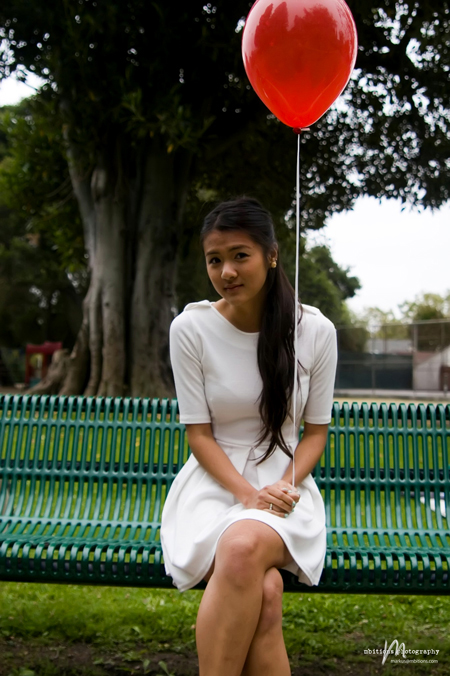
[273, 264]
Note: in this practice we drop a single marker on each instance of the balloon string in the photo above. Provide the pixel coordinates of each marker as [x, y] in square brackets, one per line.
[297, 256]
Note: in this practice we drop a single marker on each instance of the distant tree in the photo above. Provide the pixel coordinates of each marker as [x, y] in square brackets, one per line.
[426, 334]
[420, 321]
[323, 283]
[426, 306]
[383, 323]
[352, 332]
[42, 264]
[37, 301]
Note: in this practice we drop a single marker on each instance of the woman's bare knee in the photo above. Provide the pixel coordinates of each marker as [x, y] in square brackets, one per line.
[246, 550]
[237, 558]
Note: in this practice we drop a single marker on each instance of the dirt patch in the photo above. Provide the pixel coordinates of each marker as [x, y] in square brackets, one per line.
[83, 659]
[18, 657]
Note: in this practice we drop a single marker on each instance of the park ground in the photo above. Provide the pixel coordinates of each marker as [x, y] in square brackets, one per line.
[71, 630]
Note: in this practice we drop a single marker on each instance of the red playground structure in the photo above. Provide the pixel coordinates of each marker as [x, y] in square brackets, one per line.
[37, 361]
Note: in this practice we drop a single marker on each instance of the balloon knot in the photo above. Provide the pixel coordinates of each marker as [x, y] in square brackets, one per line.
[298, 130]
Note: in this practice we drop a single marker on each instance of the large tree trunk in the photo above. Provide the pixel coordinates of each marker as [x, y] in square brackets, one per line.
[78, 366]
[109, 268]
[80, 358]
[153, 301]
[131, 226]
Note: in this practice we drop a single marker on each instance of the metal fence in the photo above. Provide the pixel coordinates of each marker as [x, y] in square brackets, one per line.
[412, 356]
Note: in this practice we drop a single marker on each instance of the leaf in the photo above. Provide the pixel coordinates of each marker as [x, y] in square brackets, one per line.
[165, 669]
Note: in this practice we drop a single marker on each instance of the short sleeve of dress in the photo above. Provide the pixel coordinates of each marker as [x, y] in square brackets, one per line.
[187, 371]
[322, 375]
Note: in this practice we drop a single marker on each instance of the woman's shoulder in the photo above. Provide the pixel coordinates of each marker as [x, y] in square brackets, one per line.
[317, 336]
[189, 313]
[313, 317]
[198, 305]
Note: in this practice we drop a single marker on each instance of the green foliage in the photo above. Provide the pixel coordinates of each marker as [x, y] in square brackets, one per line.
[42, 264]
[382, 324]
[353, 333]
[34, 179]
[324, 284]
[427, 306]
[420, 322]
[399, 100]
[424, 307]
[428, 335]
[176, 71]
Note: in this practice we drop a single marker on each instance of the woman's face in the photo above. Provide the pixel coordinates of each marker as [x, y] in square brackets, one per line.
[236, 265]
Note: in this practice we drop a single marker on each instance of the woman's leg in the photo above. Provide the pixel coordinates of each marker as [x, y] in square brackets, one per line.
[267, 653]
[232, 603]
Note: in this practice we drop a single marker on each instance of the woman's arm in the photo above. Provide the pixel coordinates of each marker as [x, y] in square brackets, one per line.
[308, 452]
[318, 405]
[216, 462]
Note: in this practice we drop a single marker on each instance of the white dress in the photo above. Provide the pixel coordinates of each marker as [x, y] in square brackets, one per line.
[217, 380]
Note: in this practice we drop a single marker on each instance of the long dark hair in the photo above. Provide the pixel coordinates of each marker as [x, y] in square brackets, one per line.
[276, 352]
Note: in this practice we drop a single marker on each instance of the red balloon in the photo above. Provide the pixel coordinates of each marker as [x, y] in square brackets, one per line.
[298, 55]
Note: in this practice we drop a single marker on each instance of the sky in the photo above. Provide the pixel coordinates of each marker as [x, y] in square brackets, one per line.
[395, 254]
[12, 91]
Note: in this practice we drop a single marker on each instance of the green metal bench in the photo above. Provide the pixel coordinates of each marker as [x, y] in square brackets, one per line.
[83, 483]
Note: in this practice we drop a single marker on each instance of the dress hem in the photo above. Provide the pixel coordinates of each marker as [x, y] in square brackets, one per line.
[198, 578]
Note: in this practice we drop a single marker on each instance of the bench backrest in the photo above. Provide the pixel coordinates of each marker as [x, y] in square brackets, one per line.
[117, 457]
[387, 467]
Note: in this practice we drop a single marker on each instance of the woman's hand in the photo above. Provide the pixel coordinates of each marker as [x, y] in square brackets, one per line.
[282, 495]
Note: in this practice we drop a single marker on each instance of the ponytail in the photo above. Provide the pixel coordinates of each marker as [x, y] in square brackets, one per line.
[276, 359]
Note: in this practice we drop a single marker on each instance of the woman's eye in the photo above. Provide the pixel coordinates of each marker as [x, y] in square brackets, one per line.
[241, 253]
[213, 260]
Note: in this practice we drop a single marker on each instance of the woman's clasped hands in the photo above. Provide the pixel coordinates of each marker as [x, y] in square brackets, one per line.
[279, 499]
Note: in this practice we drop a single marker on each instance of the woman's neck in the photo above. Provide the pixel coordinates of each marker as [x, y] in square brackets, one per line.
[243, 317]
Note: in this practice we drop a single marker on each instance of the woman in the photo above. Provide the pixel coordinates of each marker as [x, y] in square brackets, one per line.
[232, 516]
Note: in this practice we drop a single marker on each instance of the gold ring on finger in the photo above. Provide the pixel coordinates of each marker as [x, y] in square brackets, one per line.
[271, 506]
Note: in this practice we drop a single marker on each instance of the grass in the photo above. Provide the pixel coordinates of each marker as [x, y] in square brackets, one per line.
[123, 628]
